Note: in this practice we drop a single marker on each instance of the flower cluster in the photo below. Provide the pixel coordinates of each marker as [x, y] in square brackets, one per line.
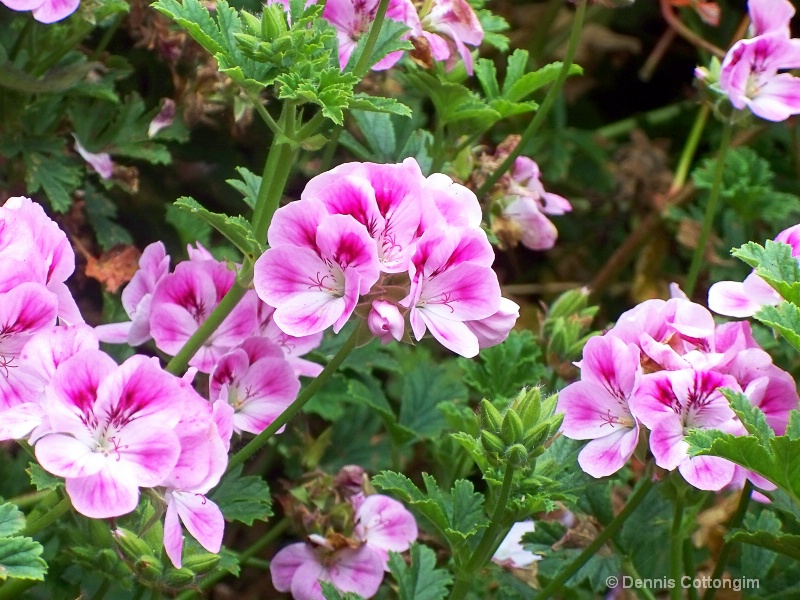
[441, 32]
[662, 366]
[401, 247]
[359, 532]
[750, 76]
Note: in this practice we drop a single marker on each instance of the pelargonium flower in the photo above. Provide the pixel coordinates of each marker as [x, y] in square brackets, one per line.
[749, 73]
[670, 403]
[510, 552]
[600, 407]
[183, 300]
[447, 28]
[351, 565]
[113, 429]
[45, 11]
[99, 161]
[312, 289]
[294, 348]
[257, 381]
[385, 321]
[136, 299]
[744, 299]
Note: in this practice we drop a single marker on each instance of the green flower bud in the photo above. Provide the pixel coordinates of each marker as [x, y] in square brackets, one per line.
[517, 455]
[273, 22]
[569, 303]
[512, 430]
[148, 568]
[201, 563]
[491, 443]
[491, 418]
[536, 436]
[251, 22]
[132, 546]
[178, 578]
[528, 406]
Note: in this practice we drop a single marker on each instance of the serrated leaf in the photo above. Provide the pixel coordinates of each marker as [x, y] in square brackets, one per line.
[195, 18]
[793, 427]
[237, 229]
[783, 543]
[389, 40]
[530, 82]
[775, 264]
[243, 498]
[248, 186]
[11, 519]
[784, 318]
[43, 480]
[757, 558]
[751, 416]
[57, 176]
[330, 592]
[423, 388]
[102, 213]
[379, 104]
[420, 580]
[20, 558]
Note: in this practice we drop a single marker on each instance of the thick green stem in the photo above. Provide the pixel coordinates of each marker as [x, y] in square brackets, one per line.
[676, 548]
[47, 519]
[491, 537]
[229, 301]
[724, 554]
[711, 209]
[689, 149]
[547, 104]
[12, 589]
[633, 502]
[257, 442]
[653, 117]
[374, 31]
[276, 172]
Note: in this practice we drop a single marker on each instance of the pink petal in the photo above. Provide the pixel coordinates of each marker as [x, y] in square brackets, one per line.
[463, 293]
[778, 99]
[296, 224]
[728, 298]
[667, 443]
[65, 456]
[173, 533]
[287, 561]
[355, 570]
[591, 411]
[202, 519]
[103, 495]
[606, 455]
[770, 16]
[453, 335]
[707, 472]
[385, 523]
[55, 10]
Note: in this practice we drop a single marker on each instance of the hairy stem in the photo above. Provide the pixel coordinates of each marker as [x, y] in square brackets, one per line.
[374, 31]
[547, 104]
[257, 442]
[689, 149]
[633, 502]
[711, 209]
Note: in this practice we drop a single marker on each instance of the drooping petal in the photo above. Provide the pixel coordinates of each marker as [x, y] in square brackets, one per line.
[202, 518]
[65, 456]
[103, 495]
[707, 472]
[453, 335]
[606, 455]
[385, 524]
[173, 533]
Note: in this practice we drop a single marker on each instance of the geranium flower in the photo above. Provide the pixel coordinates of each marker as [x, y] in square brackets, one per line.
[447, 28]
[45, 11]
[510, 552]
[599, 407]
[113, 430]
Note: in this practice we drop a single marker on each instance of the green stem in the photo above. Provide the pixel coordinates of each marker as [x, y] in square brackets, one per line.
[547, 104]
[31, 498]
[711, 208]
[265, 116]
[330, 149]
[689, 149]
[264, 541]
[108, 35]
[688, 564]
[229, 301]
[48, 518]
[489, 541]
[633, 502]
[540, 34]
[653, 117]
[257, 442]
[724, 554]
[676, 547]
[276, 172]
[374, 31]
[12, 589]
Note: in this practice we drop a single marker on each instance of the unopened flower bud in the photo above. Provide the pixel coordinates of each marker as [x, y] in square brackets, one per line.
[131, 545]
[491, 418]
[385, 321]
[517, 455]
[149, 568]
[178, 578]
[512, 430]
[491, 443]
[201, 563]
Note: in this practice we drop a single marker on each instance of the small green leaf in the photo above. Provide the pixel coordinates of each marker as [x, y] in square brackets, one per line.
[243, 498]
[783, 543]
[420, 580]
[330, 592]
[11, 520]
[43, 480]
[775, 264]
[379, 104]
[56, 175]
[20, 558]
[237, 229]
[753, 419]
[248, 186]
[784, 318]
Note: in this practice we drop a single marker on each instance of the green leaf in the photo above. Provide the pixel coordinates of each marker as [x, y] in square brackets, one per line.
[784, 318]
[43, 480]
[784, 543]
[190, 229]
[425, 386]
[530, 82]
[243, 498]
[248, 186]
[793, 427]
[454, 102]
[775, 264]
[751, 416]
[20, 558]
[237, 229]
[56, 175]
[330, 592]
[379, 104]
[420, 580]
[502, 370]
[389, 40]
[102, 213]
[11, 519]
[757, 558]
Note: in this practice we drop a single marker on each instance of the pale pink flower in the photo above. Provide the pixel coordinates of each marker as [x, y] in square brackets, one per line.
[99, 161]
[294, 348]
[385, 321]
[136, 299]
[314, 288]
[182, 302]
[769, 16]
[448, 204]
[384, 525]
[113, 430]
[510, 552]
[257, 381]
[494, 329]
[448, 27]
[164, 118]
[670, 403]
[599, 407]
[45, 11]
[353, 18]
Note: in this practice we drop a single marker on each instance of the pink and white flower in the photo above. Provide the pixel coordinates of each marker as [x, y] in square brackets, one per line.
[448, 27]
[257, 381]
[385, 525]
[510, 552]
[45, 11]
[113, 430]
[600, 408]
[386, 322]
